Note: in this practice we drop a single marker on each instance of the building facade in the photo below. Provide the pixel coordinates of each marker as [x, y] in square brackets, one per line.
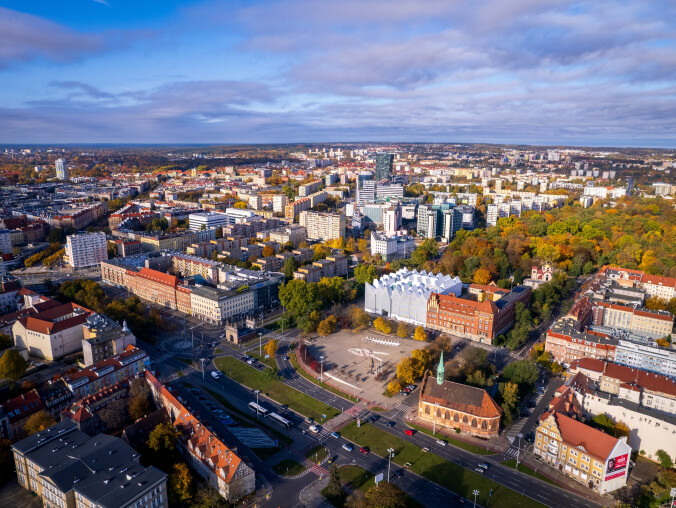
[86, 250]
[323, 226]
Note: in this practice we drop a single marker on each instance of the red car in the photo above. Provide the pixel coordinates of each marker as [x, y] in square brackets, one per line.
[408, 432]
[364, 450]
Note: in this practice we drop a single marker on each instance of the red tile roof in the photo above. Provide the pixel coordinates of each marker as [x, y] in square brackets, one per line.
[46, 321]
[459, 397]
[574, 433]
[155, 276]
[23, 406]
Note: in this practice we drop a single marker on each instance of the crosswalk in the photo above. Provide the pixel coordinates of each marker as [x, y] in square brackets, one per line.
[355, 410]
[319, 471]
[513, 452]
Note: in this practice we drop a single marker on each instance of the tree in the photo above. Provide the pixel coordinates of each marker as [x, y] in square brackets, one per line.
[327, 326]
[163, 438]
[382, 325]
[406, 371]
[386, 495]
[420, 334]
[114, 415]
[394, 386]
[271, 347]
[358, 317]
[662, 342]
[5, 341]
[180, 484]
[334, 490]
[271, 374]
[299, 297]
[38, 422]
[310, 321]
[365, 273]
[290, 266]
[665, 459]
[331, 290]
[268, 251]
[482, 276]
[12, 365]
[402, 330]
[522, 372]
[241, 205]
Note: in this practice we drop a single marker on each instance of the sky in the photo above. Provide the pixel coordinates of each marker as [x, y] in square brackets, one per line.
[599, 73]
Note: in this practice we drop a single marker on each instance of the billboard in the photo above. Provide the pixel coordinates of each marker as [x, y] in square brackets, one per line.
[617, 467]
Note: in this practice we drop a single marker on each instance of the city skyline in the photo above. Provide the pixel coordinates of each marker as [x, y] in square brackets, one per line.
[517, 72]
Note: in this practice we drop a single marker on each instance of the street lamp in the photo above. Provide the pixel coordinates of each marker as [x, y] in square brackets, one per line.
[257, 392]
[260, 345]
[476, 493]
[518, 449]
[202, 360]
[434, 419]
[390, 454]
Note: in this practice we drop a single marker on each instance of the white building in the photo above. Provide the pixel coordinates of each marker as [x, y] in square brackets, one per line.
[646, 356]
[212, 220]
[61, 169]
[5, 241]
[391, 247]
[605, 192]
[279, 202]
[87, 249]
[403, 295]
[392, 219]
[323, 226]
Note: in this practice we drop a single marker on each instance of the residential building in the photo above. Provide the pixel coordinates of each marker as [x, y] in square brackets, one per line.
[323, 226]
[279, 202]
[645, 323]
[647, 356]
[450, 405]
[215, 305]
[188, 266]
[294, 209]
[86, 250]
[210, 220]
[68, 469]
[5, 241]
[61, 169]
[128, 248]
[154, 286]
[566, 343]
[403, 295]
[306, 189]
[391, 247]
[481, 315]
[452, 223]
[86, 413]
[539, 275]
[51, 333]
[392, 219]
[384, 163]
[292, 233]
[583, 453]
[103, 338]
[206, 454]
[17, 411]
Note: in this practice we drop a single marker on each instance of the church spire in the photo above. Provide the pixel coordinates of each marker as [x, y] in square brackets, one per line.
[441, 373]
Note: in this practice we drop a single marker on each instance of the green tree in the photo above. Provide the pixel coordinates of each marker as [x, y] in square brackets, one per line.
[290, 266]
[299, 297]
[331, 290]
[12, 365]
[5, 341]
[386, 495]
[334, 490]
[665, 459]
[364, 273]
[38, 422]
[163, 439]
[309, 322]
[522, 372]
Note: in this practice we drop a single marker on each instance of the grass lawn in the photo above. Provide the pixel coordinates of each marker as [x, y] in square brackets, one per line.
[218, 351]
[247, 419]
[524, 469]
[299, 369]
[317, 454]
[270, 362]
[455, 442]
[438, 470]
[289, 467]
[297, 401]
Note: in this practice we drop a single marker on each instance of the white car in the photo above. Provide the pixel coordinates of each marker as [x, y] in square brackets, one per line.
[441, 442]
[314, 429]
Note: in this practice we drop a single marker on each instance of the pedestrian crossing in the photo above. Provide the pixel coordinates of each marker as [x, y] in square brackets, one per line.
[513, 452]
[319, 471]
[355, 410]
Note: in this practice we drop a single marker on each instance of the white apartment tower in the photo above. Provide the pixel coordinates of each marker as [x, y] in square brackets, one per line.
[87, 249]
[61, 169]
[323, 226]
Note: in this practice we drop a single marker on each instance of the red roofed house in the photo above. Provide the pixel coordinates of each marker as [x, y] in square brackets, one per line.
[458, 406]
[18, 410]
[154, 286]
[52, 333]
[583, 453]
[207, 455]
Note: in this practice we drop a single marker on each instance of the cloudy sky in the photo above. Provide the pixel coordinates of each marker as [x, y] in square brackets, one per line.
[502, 71]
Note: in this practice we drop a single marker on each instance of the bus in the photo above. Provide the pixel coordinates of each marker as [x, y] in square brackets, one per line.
[257, 408]
[280, 420]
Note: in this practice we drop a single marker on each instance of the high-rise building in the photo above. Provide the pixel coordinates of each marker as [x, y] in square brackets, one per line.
[61, 169]
[384, 163]
[323, 226]
[87, 249]
[392, 219]
[452, 223]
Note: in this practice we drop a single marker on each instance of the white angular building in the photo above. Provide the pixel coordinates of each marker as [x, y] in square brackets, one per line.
[403, 295]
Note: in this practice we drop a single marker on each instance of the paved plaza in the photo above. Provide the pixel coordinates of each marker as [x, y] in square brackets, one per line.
[353, 360]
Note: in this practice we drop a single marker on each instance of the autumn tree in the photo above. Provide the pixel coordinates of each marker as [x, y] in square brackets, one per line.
[358, 317]
[402, 330]
[268, 251]
[510, 400]
[114, 415]
[406, 371]
[482, 276]
[394, 386]
[309, 322]
[162, 440]
[12, 365]
[271, 347]
[38, 422]
[386, 494]
[327, 326]
[420, 334]
[180, 484]
[382, 325]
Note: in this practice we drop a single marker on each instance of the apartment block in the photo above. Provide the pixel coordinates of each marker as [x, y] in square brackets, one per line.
[86, 250]
[323, 226]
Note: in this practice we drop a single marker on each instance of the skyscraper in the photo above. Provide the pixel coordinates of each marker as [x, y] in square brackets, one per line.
[384, 166]
[61, 169]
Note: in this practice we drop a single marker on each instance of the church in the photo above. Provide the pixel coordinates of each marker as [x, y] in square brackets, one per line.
[458, 406]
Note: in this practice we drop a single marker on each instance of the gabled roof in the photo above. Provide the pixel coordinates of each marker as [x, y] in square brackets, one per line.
[574, 433]
[155, 276]
[459, 397]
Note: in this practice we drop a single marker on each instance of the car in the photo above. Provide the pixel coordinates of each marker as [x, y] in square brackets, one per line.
[314, 429]
[484, 465]
[374, 418]
[480, 470]
[441, 442]
[347, 447]
[331, 459]
[284, 407]
[407, 465]
[335, 434]
[459, 499]
[411, 387]
[425, 449]
[399, 473]
[403, 392]
[309, 419]
[530, 437]
[365, 450]
[409, 432]
[389, 425]
[286, 358]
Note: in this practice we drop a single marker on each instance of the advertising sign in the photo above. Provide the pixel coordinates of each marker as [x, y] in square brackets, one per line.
[617, 467]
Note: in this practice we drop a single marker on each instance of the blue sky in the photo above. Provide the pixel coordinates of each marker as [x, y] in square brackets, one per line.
[501, 71]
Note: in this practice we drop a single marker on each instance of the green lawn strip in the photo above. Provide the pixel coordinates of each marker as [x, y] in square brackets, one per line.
[525, 469]
[289, 467]
[283, 394]
[455, 442]
[317, 454]
[248, 419]
[218, 351]
[434, 468]
[301, 371]
[270, 362]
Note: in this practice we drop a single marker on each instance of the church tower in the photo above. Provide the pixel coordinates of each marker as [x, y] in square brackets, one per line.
[441, 373]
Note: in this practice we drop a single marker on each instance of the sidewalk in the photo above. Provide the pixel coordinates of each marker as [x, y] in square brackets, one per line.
[311, 496]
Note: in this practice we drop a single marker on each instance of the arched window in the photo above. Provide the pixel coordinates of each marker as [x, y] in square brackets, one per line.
[483, 425]
[448, 415]
[474, 422]
[456, 417]
[464, 419]
[438, 413]
[427, 409]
